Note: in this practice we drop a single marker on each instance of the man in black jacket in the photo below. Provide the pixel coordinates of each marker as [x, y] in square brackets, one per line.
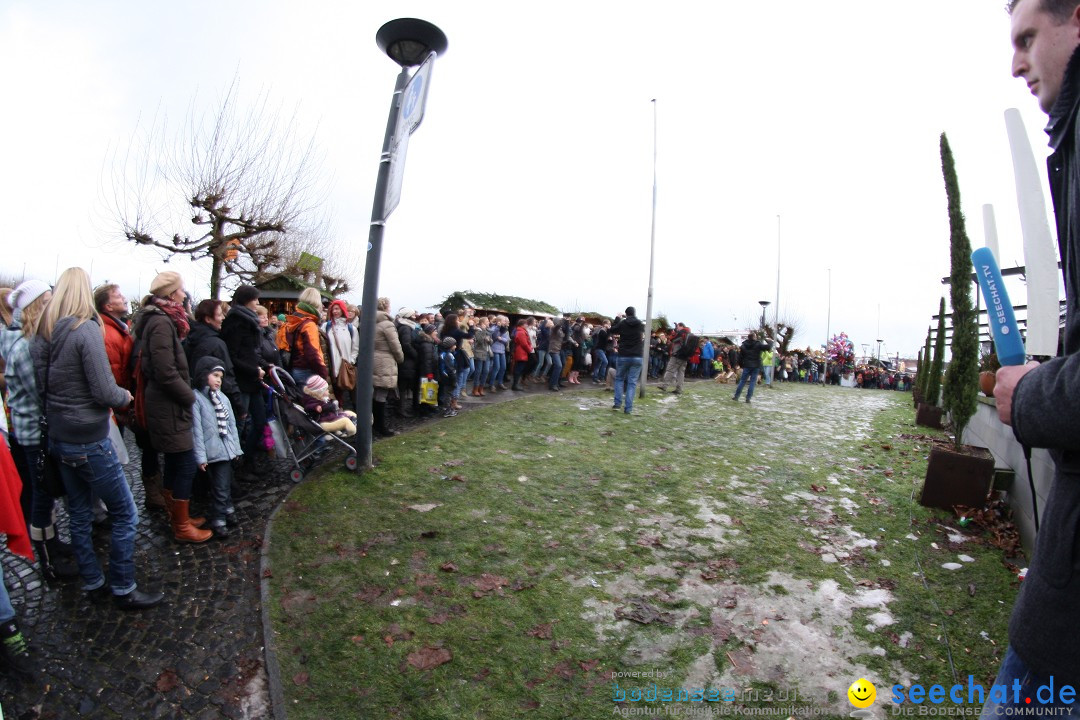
[1042, 402]
[241, 332]
[750, 360]
[631, 332]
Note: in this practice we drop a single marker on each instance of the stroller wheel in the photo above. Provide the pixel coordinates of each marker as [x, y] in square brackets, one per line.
[350, 462]
[296, 476]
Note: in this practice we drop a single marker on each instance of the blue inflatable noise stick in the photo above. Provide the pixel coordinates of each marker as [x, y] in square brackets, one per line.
[1007, 340]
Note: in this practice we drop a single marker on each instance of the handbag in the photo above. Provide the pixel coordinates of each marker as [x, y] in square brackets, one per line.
[280, 439]
[48, 467]
[429, 391]
[346, 377]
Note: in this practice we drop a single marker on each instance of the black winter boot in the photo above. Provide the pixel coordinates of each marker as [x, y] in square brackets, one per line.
[15, 651]
[54, 563]
[378, 412]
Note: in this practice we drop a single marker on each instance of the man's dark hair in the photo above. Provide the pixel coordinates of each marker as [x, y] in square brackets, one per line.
[1060, 10]
[102, 294]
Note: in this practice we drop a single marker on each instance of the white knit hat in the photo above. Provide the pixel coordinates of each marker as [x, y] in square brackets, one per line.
[27, 292]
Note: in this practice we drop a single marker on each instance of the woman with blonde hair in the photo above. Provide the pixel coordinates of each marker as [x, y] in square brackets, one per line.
[73, 369]
[301, 339]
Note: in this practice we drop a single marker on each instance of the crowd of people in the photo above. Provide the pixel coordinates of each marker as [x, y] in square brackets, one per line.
[80, 371]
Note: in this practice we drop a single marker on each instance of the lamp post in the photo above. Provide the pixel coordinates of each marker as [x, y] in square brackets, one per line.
[828, 325]
[879, 341]
[652, 261]
[764, 304]
[408, 42]
[776, 308]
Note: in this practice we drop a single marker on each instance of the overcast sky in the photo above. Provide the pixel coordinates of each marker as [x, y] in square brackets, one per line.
[532, 172]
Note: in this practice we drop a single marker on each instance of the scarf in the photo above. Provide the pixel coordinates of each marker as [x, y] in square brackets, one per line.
[310, 309]
[176, 313]
[220, 412]
[341, 337]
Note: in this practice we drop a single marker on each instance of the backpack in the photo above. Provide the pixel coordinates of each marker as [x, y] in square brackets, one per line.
[138, 378]
[689, 346]
[290, 339]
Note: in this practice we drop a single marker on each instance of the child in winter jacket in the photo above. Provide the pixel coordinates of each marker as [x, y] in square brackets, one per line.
[447, 375]
[325, 410]
[216, 441]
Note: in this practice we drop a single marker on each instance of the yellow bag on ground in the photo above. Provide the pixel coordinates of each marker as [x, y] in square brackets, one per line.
[429, 391]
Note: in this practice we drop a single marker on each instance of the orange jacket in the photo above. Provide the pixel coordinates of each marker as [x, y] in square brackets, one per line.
[307, 353]
[118, 342]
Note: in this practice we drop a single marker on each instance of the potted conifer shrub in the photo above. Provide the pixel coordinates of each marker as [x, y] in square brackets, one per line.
[919, 387]
[960, 474]
[929, 414]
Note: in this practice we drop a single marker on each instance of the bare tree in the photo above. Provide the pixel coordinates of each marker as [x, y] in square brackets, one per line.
[312, 256]
[247, 180]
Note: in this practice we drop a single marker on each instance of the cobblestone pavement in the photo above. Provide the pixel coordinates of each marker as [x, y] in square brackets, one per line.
[198, 655]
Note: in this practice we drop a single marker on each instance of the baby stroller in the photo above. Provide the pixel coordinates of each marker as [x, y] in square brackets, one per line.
[298, 438]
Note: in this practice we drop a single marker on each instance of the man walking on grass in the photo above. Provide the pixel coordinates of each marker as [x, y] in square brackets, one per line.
[631, 333]
[750, 360]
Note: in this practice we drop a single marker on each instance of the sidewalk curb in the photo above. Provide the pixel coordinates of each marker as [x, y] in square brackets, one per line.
[273, 669]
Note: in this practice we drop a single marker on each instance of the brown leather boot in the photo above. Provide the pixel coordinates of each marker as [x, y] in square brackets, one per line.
[166, 495]
[183, 530]
[152, 497]
[480, 390]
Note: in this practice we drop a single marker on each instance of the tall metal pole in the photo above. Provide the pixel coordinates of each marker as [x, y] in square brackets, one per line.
[365, 361]
[776, 310]
[652, 257]
[828, 323]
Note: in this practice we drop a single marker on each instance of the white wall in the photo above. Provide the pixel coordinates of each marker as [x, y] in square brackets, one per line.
[986, 430]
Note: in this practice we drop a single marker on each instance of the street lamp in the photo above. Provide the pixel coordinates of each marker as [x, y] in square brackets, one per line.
[879, 341]
[408, 42]
[764, 304]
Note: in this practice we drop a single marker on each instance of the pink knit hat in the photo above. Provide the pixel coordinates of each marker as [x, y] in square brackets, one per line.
[315, 386]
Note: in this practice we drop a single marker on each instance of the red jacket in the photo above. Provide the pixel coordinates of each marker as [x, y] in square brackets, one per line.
[522, 346]
[11, 518]
[118, 344]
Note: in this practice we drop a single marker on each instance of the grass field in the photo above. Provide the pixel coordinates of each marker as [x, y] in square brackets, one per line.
[522, 559]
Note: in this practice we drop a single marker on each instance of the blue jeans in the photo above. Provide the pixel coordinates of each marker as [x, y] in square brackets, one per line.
[220, 474]
[600, 369]
[6, 611]
[768, 375]
[300, 375]
[543, 361]
[93, 468]
[41, 504]
[752, 374]
[627, 371]
[1015, 670]
[498, 369]
[463, 374]
[483, 367]
[179, 473]
[556, 370]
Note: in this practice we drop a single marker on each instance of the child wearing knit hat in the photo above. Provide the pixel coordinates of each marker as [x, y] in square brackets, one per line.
[447, 376]
[325, 410]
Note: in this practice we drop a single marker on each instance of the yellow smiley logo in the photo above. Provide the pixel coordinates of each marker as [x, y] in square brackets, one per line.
[862, 693]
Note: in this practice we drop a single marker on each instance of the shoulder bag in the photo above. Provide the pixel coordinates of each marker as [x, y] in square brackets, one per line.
[48, 467]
